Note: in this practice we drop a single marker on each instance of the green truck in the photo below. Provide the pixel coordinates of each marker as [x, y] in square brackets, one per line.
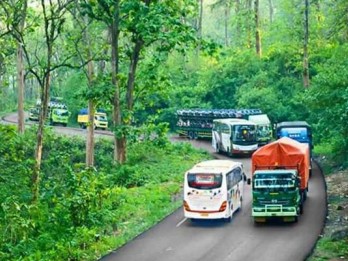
[280, 173]
[264, 128]
[58, 113]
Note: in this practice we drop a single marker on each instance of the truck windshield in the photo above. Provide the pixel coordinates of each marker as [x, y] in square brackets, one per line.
[274, 181]
[244, 132]
[100, 118]
[61, 112]
[264, 130]
[296, 133]
[204, 181]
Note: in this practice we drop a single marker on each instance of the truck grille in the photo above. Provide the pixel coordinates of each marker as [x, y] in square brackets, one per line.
[270, 202]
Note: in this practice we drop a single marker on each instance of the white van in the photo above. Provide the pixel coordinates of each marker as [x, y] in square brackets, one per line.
[213, 189]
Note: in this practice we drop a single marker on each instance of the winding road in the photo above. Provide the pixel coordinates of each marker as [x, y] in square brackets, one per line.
[178, 239]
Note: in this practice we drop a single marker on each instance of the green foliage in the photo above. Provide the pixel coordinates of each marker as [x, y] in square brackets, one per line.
[328, 249]
[81, 210]
[328, 101]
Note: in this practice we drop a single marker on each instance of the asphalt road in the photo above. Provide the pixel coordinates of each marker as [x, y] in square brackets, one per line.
[178, 239]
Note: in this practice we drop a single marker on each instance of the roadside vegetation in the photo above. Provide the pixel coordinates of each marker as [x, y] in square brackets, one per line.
[70, 199]
[83, 213]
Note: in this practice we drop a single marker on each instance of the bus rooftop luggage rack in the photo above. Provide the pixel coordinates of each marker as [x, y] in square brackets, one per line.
[198, 123]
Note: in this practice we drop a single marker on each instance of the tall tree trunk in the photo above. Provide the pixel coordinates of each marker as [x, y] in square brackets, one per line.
[227, 19]
[249, 23]
[238, 22]
[119, 139]
[131, 74]
[200, 19]
[91, 109]
[257, 28]
[20, 67]
[20, 84]
[271, 11]
[50, 30]
[40, 131]
[305, 46]
[91, 112]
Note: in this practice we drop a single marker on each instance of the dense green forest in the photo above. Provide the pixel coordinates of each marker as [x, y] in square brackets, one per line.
[141, 61]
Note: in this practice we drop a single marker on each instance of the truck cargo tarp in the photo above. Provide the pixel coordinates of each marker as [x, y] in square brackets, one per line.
[283, 153]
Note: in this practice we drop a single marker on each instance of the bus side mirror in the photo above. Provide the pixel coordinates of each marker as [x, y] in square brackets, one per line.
[244, 177]
[249, 181]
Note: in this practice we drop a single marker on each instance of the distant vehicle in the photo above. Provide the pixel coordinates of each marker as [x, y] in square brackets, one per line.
[198, 123]
[57, 114]
[264, 128]
[100, 119]
[280, 173]
[34, 114]
[300, 131]
[213, 189]
[234, 136]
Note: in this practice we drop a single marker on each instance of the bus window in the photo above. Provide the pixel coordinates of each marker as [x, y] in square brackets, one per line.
[204, 181]
[225, 129]
[237, 175]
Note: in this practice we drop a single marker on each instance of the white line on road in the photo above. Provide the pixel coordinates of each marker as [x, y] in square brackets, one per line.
[180, 223]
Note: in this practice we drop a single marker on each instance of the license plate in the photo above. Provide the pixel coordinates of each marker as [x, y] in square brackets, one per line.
[204, 214]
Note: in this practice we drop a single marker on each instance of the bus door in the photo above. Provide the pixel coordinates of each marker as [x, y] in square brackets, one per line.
[226, 138]
[234, 181]
[215, 141]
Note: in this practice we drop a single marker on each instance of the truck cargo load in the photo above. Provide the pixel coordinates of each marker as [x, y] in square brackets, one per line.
[283, 153]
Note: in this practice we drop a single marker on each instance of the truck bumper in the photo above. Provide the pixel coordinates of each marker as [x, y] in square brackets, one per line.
[274, 211]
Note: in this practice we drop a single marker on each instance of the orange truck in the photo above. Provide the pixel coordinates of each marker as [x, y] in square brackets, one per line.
[280, 174]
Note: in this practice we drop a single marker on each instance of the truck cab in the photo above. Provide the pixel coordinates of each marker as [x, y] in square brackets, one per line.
[100, 119]
[300, 131]
[34, 114]
[276, 193]
[264, 129]
[59, 116]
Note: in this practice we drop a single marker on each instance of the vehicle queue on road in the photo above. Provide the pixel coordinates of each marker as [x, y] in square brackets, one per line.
[281, 168]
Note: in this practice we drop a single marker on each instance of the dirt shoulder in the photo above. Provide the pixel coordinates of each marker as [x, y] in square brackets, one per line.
[333, 244]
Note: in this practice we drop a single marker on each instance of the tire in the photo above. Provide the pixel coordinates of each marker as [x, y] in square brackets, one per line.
[301, 208]
[304, 195]
[229, 152]
[228, 220]
[217, 150]
[190, 135]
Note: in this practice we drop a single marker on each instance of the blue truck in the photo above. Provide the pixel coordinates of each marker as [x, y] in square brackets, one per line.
[300, 131]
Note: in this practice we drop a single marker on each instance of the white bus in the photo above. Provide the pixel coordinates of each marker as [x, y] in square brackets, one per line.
[234, 136]
[213, 189]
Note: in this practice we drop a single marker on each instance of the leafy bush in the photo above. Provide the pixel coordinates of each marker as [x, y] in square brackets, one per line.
[82, 213]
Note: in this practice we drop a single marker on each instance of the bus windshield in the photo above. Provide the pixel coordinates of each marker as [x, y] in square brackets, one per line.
[204, 181]
[242, 132]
